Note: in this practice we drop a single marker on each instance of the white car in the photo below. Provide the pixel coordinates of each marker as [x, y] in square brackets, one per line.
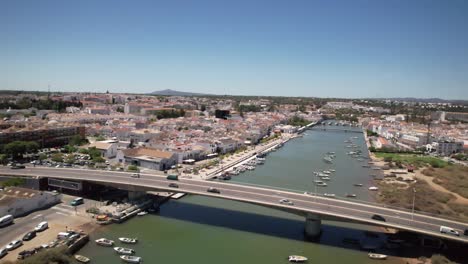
[286, 201]
[41, 226]
[3, 252]
[14, 244]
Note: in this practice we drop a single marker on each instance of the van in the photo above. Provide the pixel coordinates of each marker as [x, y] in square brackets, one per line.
[77, 201]
[448, 230]
[6, 220]
[63, 235]
[41, 226]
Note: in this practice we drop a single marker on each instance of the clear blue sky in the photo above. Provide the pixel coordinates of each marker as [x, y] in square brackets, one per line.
[371, 48]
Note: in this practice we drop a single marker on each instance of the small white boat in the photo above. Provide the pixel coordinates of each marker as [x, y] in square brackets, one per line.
[130, 259]
[377, 256]
[82, 259]
[104, 242]
[331, 195]
[351, 195]
[296, 258]
[332, 170]
[124, 251]
[358, 184]
[128, 240]
[373, 188]
[321, 184]
[325, 178]
[326, 172]
[142, 213]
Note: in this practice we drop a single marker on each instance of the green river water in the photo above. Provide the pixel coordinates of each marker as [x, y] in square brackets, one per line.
[205, 230]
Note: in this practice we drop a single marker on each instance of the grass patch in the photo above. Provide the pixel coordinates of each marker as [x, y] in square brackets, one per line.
[415, 160]
[453, 178]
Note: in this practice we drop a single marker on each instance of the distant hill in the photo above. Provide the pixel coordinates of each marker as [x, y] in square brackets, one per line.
[169, 92]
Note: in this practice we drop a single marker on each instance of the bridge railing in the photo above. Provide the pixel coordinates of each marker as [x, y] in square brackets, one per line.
[354, 200]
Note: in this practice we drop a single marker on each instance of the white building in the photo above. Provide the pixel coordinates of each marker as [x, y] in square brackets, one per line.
[20, 201]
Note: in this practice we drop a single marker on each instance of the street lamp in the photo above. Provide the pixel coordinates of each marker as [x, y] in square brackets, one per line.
[414, 197]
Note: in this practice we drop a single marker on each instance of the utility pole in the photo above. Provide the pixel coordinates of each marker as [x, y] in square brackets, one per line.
[414, 198]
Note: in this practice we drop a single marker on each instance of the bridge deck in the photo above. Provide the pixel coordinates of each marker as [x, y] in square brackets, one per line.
[347, 210]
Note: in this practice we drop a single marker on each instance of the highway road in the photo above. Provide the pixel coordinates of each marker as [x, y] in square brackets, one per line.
[303, 203]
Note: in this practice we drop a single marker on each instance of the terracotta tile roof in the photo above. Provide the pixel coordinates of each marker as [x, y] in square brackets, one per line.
[147, 152]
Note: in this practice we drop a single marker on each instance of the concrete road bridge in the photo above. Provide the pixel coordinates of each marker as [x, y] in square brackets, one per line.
[313, 208]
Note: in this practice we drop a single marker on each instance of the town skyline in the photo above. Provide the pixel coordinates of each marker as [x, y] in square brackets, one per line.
[352, 50]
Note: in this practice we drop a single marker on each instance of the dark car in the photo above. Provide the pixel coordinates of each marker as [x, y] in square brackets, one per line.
[213, 190]
[26, 253]
[29, 236]
[466, 232]
[18, 166]
[378, 218]
[173, 185]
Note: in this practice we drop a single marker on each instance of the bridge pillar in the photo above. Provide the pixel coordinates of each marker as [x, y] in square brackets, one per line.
[135, 195]
[313, 226]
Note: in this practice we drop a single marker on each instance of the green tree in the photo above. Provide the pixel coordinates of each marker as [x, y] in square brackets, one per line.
[3, 158]
[132, 168]
[15, 149]
[70, 149]
[77, 141]
[42, 156]
[70, 159]
[57, 157]
[98, 159]
[100, 138]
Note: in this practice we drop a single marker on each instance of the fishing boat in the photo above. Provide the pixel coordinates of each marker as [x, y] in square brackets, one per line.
[358, 184]
[321, 184]
[317, 181]
[124, 251]
[351, 195]
[330, 195]
[142, 213]
[82, 259]
[322, 174]
[130, 259]
[325, 178]
[127, 240]
[330, 153]
[104, 242]
[328, 159]
[332, 170]
[326, 172]
[377, 256]
[296, 258]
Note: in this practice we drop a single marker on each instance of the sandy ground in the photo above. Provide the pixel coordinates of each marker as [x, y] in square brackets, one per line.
[458, 198]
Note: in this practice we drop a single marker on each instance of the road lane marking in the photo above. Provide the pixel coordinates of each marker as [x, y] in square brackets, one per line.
[60, 213]
[37, 216]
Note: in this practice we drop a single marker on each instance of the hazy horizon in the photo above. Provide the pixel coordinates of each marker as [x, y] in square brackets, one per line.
[327, 49]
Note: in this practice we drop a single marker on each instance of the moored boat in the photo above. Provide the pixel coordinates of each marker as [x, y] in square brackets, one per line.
[128, 240]
[358, 184]
[124, 251]
[296, 258]
[130, 259]
[104, 242]
[377, 256]
[351, 195]
[82, 259]
[373, 188]
[330, 195]
[142, 213]
[321, 184]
